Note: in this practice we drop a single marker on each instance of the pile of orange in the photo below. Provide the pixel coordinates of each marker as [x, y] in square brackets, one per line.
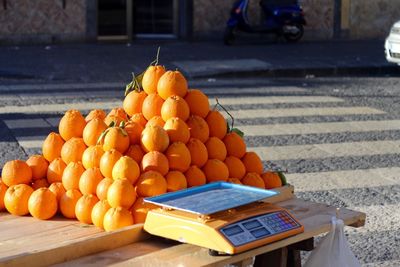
[99, 168]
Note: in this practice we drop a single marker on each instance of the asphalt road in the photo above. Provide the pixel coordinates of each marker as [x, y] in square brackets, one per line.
[339, 138]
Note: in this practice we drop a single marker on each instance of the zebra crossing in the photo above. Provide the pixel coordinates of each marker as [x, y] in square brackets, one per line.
[374, 189]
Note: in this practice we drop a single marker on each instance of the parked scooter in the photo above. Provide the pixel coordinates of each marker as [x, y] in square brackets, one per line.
[282, 17]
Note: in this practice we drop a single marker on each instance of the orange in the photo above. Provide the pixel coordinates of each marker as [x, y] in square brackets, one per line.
[198, 128]
[127, 168]
[56, 170]
[98, 212]
[116, 218]
[177, 130]
[83, 208]
[119, 113]
[215, 170]
[36, 184]
[134, 131]
[68, 202]
[152, 106]
[116, 138]
[16, 199]
[107, 162]
[217, 124]
[52, 146]
[93, 130]
[155, 161]
[95, 114]
[133, 102]
[178, 156]
[235, 145]
[57, 189]
[252, 162]
[140, 209]
[116, 120]
[71, 124]
[91, 156]
[16, 172]
[139, 118]
[3, 189]
[236, 167]
[72, 150]
[175, 181]
[156, 120]
[135, 152]
[42, 204]
[216, 148]
[234, 181]
[198, 152]
[38, 166]
[195, 176]
[121, 193]
[253, 179]
[102, 188]
[71, 175]
[151, 77]
[198, 103]
[154, 138]
[172, 83]
[89, 180]
[151, 183]
[271, 179]
[175, 106]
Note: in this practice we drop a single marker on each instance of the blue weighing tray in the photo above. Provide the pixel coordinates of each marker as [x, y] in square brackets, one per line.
[211, 198]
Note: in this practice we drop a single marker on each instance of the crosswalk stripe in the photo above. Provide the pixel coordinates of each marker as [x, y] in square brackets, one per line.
[275, 100]
[319, 128]
[389, 263]
[37, 143]
[300, 112]
[230, 101]
[315, 181]
[222, 89]
[60, 86]
[32, 109]
[317, 151]
[391, 213]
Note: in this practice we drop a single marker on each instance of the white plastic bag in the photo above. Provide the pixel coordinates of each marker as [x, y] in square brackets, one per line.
[333, 250]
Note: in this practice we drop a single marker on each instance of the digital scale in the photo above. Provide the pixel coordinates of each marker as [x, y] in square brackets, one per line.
[224, 217]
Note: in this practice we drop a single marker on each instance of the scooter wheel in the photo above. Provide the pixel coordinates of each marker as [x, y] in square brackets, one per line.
[229, 37]
[294, 37]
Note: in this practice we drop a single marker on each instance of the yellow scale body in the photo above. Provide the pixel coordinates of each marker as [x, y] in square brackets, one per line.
[210, 231]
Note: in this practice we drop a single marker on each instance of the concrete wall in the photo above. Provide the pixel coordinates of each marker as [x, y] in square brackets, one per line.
[33, 21]
[42, 20]
[319, 15]
[372, 18]
[359, 19]
[210, 17]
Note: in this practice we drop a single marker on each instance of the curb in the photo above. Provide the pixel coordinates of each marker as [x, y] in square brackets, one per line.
[15, 75]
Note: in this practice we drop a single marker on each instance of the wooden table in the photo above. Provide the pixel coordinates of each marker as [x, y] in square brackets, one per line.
[25, 241]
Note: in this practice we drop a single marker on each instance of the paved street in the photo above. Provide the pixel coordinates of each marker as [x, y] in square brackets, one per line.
[337, 137]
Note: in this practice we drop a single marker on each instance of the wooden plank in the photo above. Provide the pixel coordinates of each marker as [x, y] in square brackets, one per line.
[36, 250]
[315, 217]
[26, 240]
[285, 192]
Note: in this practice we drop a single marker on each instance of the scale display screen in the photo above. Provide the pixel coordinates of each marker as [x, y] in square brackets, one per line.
[251, 224]
[233, 230]
[211, 198]
[262, 226]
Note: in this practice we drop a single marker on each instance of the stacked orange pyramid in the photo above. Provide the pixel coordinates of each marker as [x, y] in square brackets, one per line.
[98, 169]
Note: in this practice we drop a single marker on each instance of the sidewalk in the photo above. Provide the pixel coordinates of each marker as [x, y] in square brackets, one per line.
[115, 62]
